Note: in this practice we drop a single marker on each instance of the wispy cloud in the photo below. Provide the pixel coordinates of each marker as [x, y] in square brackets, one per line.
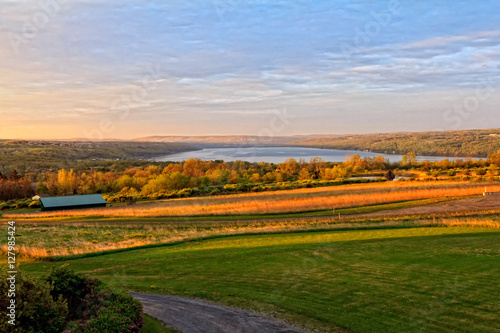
[223, 65]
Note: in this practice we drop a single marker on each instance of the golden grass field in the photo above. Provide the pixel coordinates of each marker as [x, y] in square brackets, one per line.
[280, 201]
[40, 241]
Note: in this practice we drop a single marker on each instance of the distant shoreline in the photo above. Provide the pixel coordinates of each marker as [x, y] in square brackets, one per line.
[275, 154]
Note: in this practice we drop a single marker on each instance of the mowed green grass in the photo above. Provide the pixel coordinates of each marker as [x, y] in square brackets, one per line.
[382, 280]
[152, 325]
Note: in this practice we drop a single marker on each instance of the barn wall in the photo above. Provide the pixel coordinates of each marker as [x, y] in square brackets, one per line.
[73, 207]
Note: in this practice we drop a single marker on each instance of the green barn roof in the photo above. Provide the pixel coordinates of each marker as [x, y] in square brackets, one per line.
[74, 200]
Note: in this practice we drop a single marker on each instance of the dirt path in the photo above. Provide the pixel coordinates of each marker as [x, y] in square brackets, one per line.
[477, 204]
[196, 316]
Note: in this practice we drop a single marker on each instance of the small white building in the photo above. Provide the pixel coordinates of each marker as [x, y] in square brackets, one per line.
[38, 196]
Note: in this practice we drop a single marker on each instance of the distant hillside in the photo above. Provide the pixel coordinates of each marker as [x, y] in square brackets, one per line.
[231, 140]
[41, 155]
[468, 143]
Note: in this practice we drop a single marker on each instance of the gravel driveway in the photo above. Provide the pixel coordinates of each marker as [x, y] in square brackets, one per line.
[196, 316]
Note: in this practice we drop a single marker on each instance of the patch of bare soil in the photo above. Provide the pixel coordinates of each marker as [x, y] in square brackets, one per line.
[483, 203]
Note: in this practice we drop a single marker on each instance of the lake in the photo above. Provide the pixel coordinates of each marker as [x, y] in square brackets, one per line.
[280, 154]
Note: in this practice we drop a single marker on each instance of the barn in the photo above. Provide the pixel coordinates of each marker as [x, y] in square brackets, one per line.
[72, 202]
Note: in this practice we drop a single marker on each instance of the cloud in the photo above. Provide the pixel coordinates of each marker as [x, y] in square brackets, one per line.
[218, 61]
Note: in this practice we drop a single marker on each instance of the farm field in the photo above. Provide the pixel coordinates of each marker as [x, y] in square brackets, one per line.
[298, 200]
[78, 238]
[426, 253]
[82, 231]
[439, 279]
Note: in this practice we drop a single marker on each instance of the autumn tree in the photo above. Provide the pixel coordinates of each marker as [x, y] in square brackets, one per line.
[494, 158]
[67, 182]
[304, 174]
[316, 165]
[380, 163]
[337, 172]
[193, 167]
[409, 159]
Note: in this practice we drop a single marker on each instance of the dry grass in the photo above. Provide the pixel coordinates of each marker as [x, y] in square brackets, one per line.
[250, 205]
[41, 241]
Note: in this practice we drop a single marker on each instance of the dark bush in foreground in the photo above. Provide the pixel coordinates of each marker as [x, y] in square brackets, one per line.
[108, 311]
[92, 306]
[72, 287]
[71, 303]
[36, 310]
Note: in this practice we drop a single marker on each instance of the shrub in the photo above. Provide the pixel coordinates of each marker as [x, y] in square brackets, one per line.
[72, 287]
[92, 306]
[186, 192]
[436, 173]
[481, 172]
[389, 175]
[21, 204]
[37, 311]
[34, 204]
[108, 311]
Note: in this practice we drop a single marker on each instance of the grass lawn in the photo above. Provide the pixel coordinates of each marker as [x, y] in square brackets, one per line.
[384, 280]
[151, 325]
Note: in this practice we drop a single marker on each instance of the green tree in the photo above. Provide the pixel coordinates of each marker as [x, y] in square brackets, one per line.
[41, 188]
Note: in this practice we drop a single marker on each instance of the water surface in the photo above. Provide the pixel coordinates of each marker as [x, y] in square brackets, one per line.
[280, 154]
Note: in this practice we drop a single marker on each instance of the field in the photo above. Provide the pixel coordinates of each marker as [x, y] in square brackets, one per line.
[300, 200]
[392, 280]
[357, 205]
[391, 257]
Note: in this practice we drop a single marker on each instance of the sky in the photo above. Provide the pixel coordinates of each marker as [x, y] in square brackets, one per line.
[125, 69]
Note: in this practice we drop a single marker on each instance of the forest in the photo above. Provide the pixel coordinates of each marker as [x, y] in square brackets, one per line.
[470, 143]
[37, 156]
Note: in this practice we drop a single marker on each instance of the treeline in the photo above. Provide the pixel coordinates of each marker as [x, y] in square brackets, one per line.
[15, 187]
[195, 176]
[466, 143]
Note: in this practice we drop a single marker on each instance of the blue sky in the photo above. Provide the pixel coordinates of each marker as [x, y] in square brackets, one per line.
[125, 69]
